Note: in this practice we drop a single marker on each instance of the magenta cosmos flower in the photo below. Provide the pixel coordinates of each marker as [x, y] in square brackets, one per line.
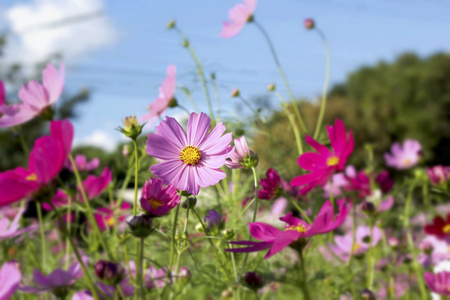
[45, 162]
[272, 186]
[323, 163]
[242, 157]
[439, 282]
[56, 281]
[82, 163]
[166, 94]
[10, 277]
[404, 156]
[438, 174]
[35, 97]
[106, 217]
[158, 200]
[276, 240]
[191, 160]
[239, 16]
[9, 230]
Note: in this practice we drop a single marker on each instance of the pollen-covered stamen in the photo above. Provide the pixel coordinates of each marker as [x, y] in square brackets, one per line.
[446, 229]
[190, 155]
[407, 161]
[110, 222]
[332, 161]
[300, 228]
[31, 177]
[356, 247]
[155, 203]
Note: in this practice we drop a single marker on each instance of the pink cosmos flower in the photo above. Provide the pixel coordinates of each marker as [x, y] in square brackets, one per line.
[439, 282]
[35, 98]
[106, 217]
[55, 280]
[438, 174]
[239, 16]
[158, 277]
[323, 164]
[45, 162]
[342, 246]
[405, 156]
[384, 181]
[242, 157]
[438, 251]
[92, 185]
[10, 277]
[82, 163]
[2, 95]
[272, 186]
[276, 240]
[190, 161]
[166, 93]
[158, 200]
[9, 230]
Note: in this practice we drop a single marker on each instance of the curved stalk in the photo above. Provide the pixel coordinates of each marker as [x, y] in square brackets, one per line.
[304, 282]
[136, 172]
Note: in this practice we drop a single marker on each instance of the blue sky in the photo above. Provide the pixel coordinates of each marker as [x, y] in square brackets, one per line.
[124, 74]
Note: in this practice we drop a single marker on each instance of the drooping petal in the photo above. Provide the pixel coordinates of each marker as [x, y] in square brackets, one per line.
[263, 232]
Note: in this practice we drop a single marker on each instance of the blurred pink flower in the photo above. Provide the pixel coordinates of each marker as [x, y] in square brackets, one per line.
[157, 199]
[106, 217]
[278, 208]
[439, 251]
[2, 95]
[439, 282]
[384, 181]
[10, 277]
[239, 16]
[166, 94]
[56, 279]
[82, 163]
[401, 285]
[35, 97]
[276, 240]
[405, 156]
[324, 163]
[242, 157]
[440, 227]
[45, 162]
[193, 160]
[272, 186]
[9, 230]
[438, 174]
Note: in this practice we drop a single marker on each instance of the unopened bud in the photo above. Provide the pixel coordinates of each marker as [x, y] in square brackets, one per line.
[213, 76]
[367, 294]
[185, 43]
[309, 24]
[171, 24]
[109, 272]
[251, 161]
[226, 294]
[228, 233]
[132, 128]
[271, 87]
[254, 280]
[426, 248]
[189, 203]
[368, 207]
[393, 242]
[199, 228]
[173, 103]
[235, 93]
[141, 226]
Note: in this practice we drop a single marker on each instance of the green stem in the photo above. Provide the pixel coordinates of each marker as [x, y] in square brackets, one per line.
[217, 95]
[349, 261]
[325, 85]
[185, 110]
[294, 202]
[304, 281]
[172, 249]
[140, 269]
[411, 246]
[77, 254]
[200, 72]
[23, 144]
[90, 214]
[293, 125]
[280, 69]
[188, 94]
[41, 229]
[69, 222]
[136, 171]
[370, 257]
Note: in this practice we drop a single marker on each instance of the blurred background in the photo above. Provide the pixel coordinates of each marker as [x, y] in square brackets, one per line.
[389, 80]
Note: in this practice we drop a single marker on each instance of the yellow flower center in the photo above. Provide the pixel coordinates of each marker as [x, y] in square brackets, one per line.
[190, 155]
[332, 161]
[110, 222]
[31, 177]
[446, 229]
[407, 161]
[300, 228]
[356, 247]
[155, 203]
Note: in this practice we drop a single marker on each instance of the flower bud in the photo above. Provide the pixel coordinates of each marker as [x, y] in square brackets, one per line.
[141, 226]
[184, 275]
[367, 294]
[226, 294]
[189, 203]
[199, 228]
[185, 43]
[173, 103]
[228, 233]
[271, 87]
[125, 150]
[132, 128]
[235, 93]
[171, 24]
[426, 248]
[213, 76]
[368, 207]
[309, 24]
[109, 272]
[393, 242]
[251, 161]
[213, 219]
[253, 280]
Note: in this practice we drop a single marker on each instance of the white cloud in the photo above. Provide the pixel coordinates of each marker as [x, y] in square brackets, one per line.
[45, 27]
[100, 139]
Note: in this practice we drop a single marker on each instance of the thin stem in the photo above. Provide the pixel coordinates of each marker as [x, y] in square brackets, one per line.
[294, 202]
[185, 110]
[41, 229]
[261, 117]
[325, 85]
[292, 122]
[188, 94]
[69, 222]
[280, 69]
[304, 282]
[200, 72]
[77, 254]
[349, 261]
[90, 214]
[370, 257]
[136, 171]
[217, 95]
[23, 144]
[140, 270]
[172, 249]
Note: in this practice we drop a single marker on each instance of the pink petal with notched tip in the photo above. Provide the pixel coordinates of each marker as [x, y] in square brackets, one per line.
[263, 232]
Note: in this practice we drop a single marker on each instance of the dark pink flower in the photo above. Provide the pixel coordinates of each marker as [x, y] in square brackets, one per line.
[276, 240]
[157, 199]
[272, 185]
[239, 16]
[45, 162]
[439, 282]
[440, 227]
[106, 217]
[166, 94]
[10, 277]
[404, 156]
[325, 162]
[35, 97]
[82, 163]
[191, 160]
[438, 174]
[384, 181]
